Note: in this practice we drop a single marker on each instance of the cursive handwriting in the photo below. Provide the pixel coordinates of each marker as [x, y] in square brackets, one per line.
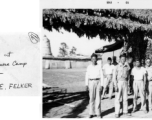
[33, 37]
[15, 63]
[4, 64]
[8, 54]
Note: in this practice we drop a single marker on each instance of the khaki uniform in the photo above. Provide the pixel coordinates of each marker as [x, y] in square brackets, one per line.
[120, 79]
[108, 83]
[149, 85]
[150, 95]
[138, 85]
[94, 80]
[108, 79]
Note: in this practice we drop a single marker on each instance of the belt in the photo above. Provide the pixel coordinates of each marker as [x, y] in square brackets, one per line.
[137, 80]
[108, 74]
[95, 79]
[122, 79]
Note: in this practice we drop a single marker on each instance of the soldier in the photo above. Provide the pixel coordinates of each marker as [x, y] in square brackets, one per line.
[107, 73]
[149, 81]
[120, 79]
[94, 83]
[139, 76]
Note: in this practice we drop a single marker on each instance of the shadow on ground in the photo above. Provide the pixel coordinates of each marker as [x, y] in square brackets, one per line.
[112, 110]
[67, 98]
[77, 110]
[59, 99]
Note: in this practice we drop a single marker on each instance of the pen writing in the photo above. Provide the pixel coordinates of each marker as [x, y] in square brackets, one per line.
[33, 37]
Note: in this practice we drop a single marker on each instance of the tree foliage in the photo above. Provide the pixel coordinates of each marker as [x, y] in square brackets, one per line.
[73, 51]
[108, 24]
[63, 50]
[130, 25]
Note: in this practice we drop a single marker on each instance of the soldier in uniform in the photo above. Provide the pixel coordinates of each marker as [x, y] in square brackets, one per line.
[120, 79]
[94, 83]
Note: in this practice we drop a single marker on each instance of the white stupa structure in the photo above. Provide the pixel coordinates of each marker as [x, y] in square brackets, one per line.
[46, 48]
[46, 52]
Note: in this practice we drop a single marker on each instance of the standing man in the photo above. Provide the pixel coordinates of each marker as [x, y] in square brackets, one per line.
[107, 73]
[149, 81]
[94, 83]
[121, 85]
[139, 76]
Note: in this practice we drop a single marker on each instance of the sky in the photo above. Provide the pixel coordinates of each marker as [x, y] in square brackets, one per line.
[84, 45]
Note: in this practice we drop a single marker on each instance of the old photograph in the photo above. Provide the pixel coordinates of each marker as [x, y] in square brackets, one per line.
[97, 63]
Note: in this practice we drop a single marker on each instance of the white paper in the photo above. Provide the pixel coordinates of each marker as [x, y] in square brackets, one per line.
[19, 64]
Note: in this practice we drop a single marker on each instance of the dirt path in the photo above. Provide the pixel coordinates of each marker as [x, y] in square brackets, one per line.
[76, 103]
[80, 109]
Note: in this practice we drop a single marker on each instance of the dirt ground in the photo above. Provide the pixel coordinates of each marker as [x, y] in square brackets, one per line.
[75, 103]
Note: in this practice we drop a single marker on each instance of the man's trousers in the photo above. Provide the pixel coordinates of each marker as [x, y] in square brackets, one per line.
[150, 94]
[95, 97]
[108, 83]
[138, 85]
[121, 94]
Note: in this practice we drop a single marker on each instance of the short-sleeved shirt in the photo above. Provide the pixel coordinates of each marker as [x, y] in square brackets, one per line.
[114, 67]
[138, 73]
[99, 62]
[149, 73]
[122, 72]
[108, 69]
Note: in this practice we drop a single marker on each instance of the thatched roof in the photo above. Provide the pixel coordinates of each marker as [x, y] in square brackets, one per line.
[107, 23]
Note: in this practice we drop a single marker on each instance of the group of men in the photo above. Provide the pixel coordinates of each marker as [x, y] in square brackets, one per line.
[127, 75]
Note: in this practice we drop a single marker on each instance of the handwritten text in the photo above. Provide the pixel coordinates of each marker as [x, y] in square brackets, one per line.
[19, 86]
[15, 63]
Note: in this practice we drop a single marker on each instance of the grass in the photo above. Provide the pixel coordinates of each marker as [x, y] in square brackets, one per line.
[72, 79]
